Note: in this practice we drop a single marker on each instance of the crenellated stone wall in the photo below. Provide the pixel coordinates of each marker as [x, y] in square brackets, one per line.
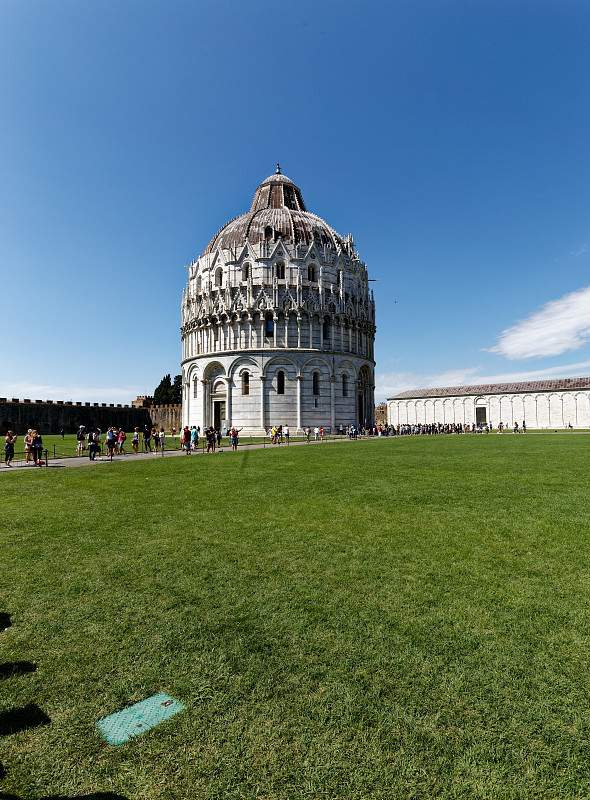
[168, 417]
[49, 416]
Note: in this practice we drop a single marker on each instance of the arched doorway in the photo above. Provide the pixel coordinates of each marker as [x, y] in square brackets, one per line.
[219, 404]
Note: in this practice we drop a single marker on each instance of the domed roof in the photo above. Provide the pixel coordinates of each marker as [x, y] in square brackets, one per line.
[277, 212]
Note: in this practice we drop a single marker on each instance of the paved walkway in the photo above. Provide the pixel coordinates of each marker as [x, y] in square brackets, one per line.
[84, 461]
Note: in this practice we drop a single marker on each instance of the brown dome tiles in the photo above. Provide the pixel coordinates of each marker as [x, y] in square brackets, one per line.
[277, 211]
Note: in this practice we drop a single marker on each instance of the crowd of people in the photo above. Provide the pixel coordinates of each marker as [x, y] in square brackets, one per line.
[148, 440]
[153, 440]
[435, 428]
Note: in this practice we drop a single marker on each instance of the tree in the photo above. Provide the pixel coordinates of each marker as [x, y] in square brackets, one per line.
[167, 392]
[176, 392]
[163, 391]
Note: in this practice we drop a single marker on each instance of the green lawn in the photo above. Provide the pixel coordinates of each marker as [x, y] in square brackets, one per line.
[401, 618]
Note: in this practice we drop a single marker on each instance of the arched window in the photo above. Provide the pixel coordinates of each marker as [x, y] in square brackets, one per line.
[245, 383]
[345, 386]
[245, 272]
[315, 379]
[311, 273]
[195, 387]
[326, 329]
[269, 326]
[218, 276]
[199, 285]
[280, 270]
[268, 232]
[280, 382]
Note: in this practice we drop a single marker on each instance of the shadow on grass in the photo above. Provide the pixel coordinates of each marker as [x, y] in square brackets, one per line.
[11, 668]
[22, 719]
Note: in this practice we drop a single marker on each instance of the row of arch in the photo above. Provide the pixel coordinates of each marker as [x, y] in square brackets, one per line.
[543, 410]
[214, 369]
[222, 277]
[281, 382]
[290, 330]
[292, 391]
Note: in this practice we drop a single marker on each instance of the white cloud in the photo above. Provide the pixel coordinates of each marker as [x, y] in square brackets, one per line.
[559, 326]
[89, 394]
[390, 384]
[580, 251]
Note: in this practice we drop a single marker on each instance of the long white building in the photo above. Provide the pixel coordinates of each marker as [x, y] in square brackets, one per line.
[541, 404]
[278, 322]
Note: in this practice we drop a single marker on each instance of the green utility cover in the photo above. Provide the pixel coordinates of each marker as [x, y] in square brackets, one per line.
[121, 726]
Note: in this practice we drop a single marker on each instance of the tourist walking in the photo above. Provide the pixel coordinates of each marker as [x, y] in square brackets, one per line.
[9, 441]
[111, 442]
[135, 441]
[147, 439]
[92, 445]
[185, 440]
[162, 440]
[80, 440]
[286, 433]
[36, 447]
[121, 439]
[194, 438]
[234, 436]
[156, 436]
[28, 441]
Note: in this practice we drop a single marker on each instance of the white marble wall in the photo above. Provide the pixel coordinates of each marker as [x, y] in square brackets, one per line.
[538, 409]
[340, 381]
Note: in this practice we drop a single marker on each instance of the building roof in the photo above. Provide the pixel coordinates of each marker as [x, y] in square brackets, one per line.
[558, 384]
[277, 211]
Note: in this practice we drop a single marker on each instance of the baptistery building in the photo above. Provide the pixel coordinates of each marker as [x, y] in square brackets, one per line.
[278, 323]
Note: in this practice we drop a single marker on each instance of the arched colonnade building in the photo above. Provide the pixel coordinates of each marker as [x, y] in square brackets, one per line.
[541, 404]
[278, 323]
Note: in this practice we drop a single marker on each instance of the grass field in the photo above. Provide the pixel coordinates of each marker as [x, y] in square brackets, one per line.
[400, 618]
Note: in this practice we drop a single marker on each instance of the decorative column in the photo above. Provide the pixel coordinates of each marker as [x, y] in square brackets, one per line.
[286, 328]
[228, 399]
[332, 402]
[310, 331]
[298, 330]
[275, 320]
[299, 381]
[204, 415]
[262, 404]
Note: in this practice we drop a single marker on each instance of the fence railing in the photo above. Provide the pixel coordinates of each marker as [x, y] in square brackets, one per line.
[54, 451]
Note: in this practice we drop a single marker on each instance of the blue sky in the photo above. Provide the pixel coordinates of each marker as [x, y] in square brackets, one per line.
[451, 139]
